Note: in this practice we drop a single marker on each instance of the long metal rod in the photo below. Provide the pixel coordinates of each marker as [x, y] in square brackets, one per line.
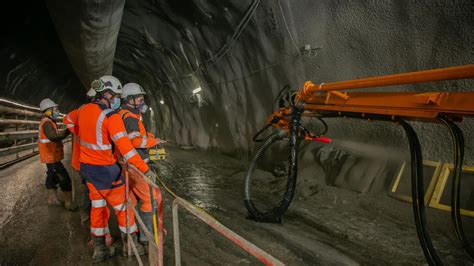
[449, 73]
[177, 248]
[18, 135]
[18, 122]
[11, 110]
[14, 149]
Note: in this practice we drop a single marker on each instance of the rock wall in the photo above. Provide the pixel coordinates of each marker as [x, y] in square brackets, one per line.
[174, 47]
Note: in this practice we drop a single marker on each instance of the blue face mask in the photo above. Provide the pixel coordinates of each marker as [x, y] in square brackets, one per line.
[142, 108]
[55, 115]
[115, 103]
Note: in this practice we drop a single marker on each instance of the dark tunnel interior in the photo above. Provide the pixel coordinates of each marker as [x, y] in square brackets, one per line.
[240, 54]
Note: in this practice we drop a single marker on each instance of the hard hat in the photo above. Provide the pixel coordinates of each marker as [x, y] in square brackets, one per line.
[132, 89]
[91, 93]
[107, 83]
[46, 104]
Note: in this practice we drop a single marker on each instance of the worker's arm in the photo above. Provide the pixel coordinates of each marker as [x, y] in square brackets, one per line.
[52, 134]
[133, 131]
[70, 120]
[118, 134]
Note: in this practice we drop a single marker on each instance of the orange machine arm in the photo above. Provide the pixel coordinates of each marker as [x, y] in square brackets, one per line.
[426, 106]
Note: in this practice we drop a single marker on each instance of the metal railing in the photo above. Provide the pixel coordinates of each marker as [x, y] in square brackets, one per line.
[238, 240]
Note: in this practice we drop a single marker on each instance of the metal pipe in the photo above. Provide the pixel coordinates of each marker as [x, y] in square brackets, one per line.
[3, 100]
[449, 73]
[10, 110]
[22, 122]
[16, 135]
[177, 249]
[17, 122]
[15, 149]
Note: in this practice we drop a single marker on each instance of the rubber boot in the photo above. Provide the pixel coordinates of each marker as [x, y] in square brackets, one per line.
[101, 252]
[147, 218]
[52, 198]
[68, 203]
[141, 250]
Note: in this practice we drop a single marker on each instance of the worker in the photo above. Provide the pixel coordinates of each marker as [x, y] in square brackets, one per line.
[100, 130]
[51, 153]
[70, 121]
[133, 107]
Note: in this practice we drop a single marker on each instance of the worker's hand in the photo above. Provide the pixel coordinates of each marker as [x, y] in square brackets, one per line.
[151, 175]
[160, 141]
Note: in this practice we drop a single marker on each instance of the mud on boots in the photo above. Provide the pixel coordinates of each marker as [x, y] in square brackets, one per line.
[101, 251]
[51, 151]
[140, 249]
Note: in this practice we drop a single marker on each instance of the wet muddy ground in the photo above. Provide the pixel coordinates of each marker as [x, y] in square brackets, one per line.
[328, 226]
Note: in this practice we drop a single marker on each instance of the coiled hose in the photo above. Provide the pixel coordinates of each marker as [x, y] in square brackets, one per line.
[458, 144]
[274, 215]
[418, 195]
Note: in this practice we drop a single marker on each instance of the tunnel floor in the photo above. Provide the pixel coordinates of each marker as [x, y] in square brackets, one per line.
[332, 226]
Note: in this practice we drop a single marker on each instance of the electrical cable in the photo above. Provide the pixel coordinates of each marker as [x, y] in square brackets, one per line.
[287, 28]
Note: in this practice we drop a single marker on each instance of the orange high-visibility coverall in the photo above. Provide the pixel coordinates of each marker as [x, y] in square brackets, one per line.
[142, 141]
[99, 128]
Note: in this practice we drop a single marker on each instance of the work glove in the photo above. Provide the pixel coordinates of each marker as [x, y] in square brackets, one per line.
[151, 175]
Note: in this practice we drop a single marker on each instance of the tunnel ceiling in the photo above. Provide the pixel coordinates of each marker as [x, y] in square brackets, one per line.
[241, 53]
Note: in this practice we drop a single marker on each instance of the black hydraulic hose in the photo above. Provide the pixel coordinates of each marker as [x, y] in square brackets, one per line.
[274, 121]
[458, 143]
[418, 195]
[275, 214]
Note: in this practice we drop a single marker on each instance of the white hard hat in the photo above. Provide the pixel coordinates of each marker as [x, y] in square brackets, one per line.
[132, 89]
[46, 104]
[91, 93]
[107, 83]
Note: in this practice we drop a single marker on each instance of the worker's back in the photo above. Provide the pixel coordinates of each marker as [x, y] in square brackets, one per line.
[96, 146]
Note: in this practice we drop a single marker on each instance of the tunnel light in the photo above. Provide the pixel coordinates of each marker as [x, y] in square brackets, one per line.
[198, 89]
[162, 102]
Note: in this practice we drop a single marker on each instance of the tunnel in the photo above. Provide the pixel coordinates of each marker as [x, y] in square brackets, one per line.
[265, 167]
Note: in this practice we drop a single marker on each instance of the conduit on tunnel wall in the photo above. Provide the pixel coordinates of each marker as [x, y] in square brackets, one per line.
[88, 31]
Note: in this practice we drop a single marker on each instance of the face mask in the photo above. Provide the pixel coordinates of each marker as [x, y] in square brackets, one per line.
[114, 103]
[55, 115]
[143, 108]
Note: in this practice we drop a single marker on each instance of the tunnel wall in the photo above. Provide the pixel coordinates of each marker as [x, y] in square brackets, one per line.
[166, 46]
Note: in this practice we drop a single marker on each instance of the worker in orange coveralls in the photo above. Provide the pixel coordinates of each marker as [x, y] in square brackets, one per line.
[100, 130]
[133, 106]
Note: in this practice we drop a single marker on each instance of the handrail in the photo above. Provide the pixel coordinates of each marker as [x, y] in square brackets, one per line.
[449, 73]
[241, 242]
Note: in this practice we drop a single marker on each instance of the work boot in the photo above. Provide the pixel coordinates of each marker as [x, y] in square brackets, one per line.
[68, 203]
[52, 198]
[141, 250]
[101, 252]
